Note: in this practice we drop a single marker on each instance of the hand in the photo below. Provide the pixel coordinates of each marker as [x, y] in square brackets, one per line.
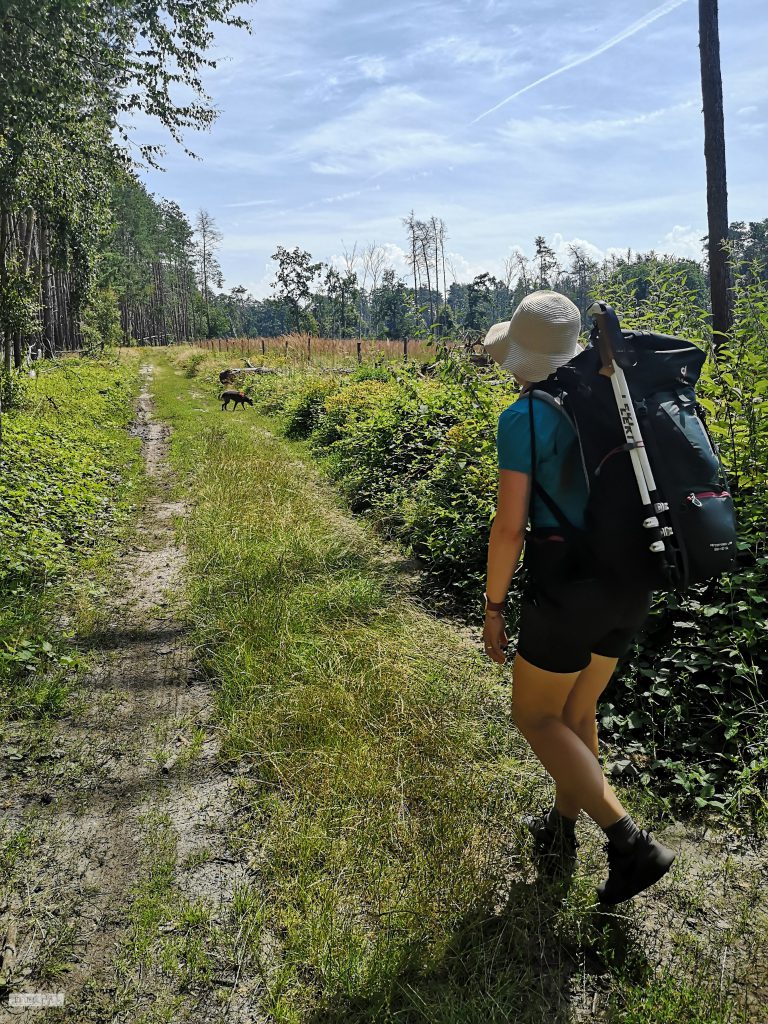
[495, 637]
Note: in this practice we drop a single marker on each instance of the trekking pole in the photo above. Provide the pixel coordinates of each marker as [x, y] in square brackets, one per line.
[609, 339]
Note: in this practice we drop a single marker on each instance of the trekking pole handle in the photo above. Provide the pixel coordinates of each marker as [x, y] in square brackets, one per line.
[608, 330]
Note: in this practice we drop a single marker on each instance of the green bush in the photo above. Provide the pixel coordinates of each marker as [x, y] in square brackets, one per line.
[418, 456]
[13, 389]
[58, 467]
[192, 363]
[692, 705]
[66, 472]
[302, 407]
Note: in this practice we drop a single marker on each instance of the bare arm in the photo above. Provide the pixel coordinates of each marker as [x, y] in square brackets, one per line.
[504, 547]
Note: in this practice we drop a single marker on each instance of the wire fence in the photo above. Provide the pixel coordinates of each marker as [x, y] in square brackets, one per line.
[306, 348]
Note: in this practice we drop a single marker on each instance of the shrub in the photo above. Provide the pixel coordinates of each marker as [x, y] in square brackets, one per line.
[14, 388]
[66, 468]
[418, 456]
[302, 407]
[193, 362]
[58, 472]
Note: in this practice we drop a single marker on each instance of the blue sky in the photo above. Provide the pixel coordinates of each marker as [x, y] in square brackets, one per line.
[340, 116]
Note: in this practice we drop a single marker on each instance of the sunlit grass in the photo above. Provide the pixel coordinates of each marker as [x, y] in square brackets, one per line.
[381, 785]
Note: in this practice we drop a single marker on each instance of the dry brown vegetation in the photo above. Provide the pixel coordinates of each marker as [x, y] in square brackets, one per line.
[304, 348]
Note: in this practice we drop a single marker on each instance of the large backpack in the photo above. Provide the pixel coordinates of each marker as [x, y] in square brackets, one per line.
[692, 503]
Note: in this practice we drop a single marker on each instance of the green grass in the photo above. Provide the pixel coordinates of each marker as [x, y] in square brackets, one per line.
[70, 476]
[170, 934]
[176, 947]
[380, 781]
[417, 456]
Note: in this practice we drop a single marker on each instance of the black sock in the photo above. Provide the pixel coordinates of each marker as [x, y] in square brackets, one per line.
[558, 821]
[622, 833]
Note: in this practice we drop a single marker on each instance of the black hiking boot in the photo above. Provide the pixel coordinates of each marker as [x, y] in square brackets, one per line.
[629, 872]
[554, 848]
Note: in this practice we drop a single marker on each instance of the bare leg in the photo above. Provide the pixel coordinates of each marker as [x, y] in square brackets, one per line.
[538, 703]
[580, 715]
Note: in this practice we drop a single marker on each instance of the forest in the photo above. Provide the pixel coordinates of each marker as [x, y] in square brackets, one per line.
[254, 763]
[145, 274]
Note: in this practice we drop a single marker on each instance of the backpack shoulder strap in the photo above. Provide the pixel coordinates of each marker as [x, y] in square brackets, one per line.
[536, 488]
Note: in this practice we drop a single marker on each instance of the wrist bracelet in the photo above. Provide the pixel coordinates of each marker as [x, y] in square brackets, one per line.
[494, 606]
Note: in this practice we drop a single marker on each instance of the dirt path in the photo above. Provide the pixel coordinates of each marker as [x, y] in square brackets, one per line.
[144, 787]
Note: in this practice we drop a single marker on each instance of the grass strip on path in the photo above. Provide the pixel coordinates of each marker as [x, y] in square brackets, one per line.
[381, 783]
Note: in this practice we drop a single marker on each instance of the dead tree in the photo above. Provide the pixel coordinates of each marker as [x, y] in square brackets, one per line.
[714, 155]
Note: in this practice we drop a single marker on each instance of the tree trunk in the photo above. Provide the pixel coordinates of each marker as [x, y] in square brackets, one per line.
[412, 228]
[714, 154]
[205, 288]
[6, 334]
[429, 286]
[45, 297]
[49, 341]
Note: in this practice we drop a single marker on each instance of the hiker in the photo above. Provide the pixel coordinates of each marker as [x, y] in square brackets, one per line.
[573, 626]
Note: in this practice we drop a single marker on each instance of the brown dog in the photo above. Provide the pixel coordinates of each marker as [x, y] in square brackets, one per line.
[238, 397]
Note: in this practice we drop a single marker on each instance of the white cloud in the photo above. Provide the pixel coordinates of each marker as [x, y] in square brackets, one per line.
[261, 287]
[683, 241]
[540, 131]
[250, 202]
[463, 51]
[328, 167]
[562, 247]
[342, 197]
[754, 130]
[394, 127]
[375, 69]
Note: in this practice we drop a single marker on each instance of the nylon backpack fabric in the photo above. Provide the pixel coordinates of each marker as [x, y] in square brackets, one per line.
[661, 372]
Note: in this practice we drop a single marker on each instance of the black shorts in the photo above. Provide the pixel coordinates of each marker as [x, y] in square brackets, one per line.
[563, 624]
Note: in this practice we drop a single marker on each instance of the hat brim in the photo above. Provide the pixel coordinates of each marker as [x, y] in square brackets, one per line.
[513, 357]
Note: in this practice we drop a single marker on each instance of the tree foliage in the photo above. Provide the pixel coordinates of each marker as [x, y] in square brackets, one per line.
[71, 74]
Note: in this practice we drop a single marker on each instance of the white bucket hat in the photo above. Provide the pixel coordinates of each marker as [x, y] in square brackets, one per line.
[542, 335]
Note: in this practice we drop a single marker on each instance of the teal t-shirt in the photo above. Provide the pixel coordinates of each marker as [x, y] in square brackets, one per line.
[558, 461]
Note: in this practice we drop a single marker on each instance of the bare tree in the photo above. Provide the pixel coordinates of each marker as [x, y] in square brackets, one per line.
[208, 269]
[511, 270]
[410, 223]
[434, 223]
[714, 155]
[547, 261]
[425, 243]
[442, 239]
[351, 258]
[373, 260]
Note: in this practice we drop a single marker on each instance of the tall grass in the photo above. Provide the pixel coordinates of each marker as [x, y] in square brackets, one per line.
[304, 349]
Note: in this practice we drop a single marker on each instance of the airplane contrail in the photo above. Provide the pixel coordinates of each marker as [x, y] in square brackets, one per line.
[636, 26]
